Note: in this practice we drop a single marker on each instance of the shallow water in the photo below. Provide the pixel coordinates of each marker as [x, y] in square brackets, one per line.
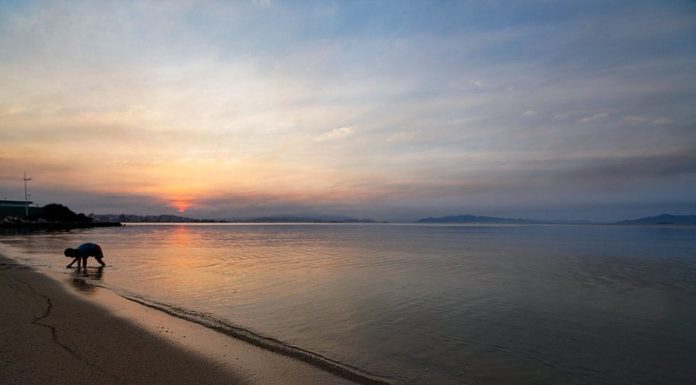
[421, 304]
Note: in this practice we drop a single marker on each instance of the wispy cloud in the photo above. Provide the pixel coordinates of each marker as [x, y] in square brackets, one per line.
[263, 3]
[336, 134]
[529, 113]
[593, 118]
[635, 119]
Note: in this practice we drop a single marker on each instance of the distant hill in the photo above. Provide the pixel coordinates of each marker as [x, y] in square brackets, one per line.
[476, 219]
[662, 219]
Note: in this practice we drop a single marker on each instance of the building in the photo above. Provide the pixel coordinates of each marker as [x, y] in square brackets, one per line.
[15, 208]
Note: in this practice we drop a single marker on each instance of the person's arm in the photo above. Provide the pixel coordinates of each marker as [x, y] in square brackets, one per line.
[73, 261]
[84, 262]
[100, 256]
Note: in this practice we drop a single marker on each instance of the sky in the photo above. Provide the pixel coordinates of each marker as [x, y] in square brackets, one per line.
[392, 110]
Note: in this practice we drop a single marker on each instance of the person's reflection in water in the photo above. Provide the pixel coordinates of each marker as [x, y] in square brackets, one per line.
[83, 278]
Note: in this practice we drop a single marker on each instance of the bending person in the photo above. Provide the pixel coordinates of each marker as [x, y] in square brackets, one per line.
[83, 252]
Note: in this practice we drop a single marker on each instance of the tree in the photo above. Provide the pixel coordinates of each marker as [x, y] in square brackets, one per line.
[55, 212]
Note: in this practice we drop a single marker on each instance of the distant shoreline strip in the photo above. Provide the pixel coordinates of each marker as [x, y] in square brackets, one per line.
[56, 225]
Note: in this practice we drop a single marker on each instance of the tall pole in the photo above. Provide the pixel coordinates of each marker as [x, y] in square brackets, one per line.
[26, 196]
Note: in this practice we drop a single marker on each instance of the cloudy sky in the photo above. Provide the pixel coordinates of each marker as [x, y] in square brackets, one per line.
[391, 110]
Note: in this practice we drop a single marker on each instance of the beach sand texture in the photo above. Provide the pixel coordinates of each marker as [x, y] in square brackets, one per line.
[50, 335]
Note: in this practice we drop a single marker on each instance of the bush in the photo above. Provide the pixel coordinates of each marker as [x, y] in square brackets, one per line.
[55, 212]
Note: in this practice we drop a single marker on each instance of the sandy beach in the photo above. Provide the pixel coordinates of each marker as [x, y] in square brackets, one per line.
[74, 333]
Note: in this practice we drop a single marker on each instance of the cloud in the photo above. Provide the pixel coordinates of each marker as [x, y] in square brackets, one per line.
[336, 134]
[402, 136]
[263, 3]
[593, 118]
[622, 171]
[635, 119]
[529, 113]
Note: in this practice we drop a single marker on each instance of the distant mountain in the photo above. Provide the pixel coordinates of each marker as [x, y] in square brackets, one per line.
[476, 219]
[662, 219]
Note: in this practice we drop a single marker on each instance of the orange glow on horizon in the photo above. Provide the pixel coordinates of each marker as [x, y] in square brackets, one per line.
[181, 205]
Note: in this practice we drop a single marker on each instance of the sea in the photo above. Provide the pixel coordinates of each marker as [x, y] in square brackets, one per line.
[415, 304]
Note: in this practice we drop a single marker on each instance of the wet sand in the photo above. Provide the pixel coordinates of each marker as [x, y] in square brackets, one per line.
[71, 332]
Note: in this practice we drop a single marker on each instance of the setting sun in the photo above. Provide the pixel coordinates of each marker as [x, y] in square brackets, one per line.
[181, 205]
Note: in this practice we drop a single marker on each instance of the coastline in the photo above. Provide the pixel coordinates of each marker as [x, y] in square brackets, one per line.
[68, 331]
[29, 226]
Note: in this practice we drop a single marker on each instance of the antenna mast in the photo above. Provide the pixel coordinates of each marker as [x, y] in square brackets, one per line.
[26, 196]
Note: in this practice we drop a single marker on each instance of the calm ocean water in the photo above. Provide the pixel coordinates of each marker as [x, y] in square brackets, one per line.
[422, 304]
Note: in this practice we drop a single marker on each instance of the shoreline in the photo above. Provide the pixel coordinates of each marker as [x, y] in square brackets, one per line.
[30, 226]
[68, 331]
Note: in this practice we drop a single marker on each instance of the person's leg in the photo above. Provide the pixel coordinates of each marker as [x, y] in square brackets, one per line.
[84, 262]
[101, 262]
